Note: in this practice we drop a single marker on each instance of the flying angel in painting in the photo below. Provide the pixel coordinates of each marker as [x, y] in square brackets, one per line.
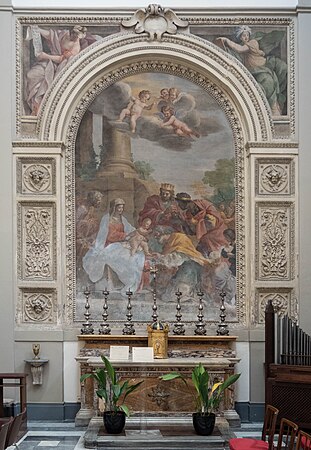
[180, 128]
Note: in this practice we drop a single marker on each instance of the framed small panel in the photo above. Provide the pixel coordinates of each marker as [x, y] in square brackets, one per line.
[283, 299]
[36, 176]
[37, 241]
[274, 241]
[274, 176]
[38, 306]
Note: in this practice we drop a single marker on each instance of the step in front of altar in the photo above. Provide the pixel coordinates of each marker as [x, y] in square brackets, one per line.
[157, 434]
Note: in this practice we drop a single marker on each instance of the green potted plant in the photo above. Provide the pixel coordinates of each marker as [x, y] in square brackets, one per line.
[207, 398]
[113, 392]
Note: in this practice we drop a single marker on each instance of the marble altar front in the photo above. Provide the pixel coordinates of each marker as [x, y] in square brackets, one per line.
[155, 397]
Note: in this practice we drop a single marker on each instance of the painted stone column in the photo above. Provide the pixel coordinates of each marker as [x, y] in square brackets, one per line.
[118, 153]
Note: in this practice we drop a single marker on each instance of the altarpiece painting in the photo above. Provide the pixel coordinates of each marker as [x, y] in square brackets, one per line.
[155, 186]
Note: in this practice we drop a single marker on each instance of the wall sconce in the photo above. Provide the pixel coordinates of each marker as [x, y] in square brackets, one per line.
[36, 365]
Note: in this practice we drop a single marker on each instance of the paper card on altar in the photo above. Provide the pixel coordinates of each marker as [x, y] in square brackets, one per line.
[119, 352]
[142, 354]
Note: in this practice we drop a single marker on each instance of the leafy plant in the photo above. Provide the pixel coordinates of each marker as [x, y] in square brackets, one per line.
[222, 180]
[110, 388]
[207, 398]
[144, 169]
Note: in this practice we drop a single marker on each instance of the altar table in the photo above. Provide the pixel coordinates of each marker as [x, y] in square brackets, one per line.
[156, 397]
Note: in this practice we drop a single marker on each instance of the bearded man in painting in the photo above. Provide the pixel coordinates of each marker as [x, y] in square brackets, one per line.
[162, 208]
[202, 219]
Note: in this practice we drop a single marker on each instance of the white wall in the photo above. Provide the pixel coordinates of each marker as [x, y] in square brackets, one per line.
[243, 383]
[304, 121]
[6, 208]
[168, 4]
[71, 372]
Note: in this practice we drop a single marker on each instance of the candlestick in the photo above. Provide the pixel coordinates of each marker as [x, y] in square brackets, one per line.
[128, 326]
[222, 326]
[104, 326]
[153, 271]
[87, 327]
[200, 325]
[178, 325]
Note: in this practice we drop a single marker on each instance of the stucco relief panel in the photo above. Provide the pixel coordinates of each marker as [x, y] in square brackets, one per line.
[283, 300]
[37, 229]
[36, 176]
[274, 241]
[275, 176]
[39, 306]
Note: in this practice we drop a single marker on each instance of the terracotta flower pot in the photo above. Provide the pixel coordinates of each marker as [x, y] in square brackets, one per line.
[203, 423]
[114, 421]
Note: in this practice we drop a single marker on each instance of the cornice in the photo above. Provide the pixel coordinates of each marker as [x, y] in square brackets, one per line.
[275, 144]
[37, 144]
[193, 18]
[189, 12]
[303, 10]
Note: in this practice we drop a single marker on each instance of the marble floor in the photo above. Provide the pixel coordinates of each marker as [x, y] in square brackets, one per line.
[65, 436]
[46, 435]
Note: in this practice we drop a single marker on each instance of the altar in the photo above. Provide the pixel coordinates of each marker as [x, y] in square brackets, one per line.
[155, 397]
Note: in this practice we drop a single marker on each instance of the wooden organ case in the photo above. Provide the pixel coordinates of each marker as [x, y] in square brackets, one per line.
[287, 368]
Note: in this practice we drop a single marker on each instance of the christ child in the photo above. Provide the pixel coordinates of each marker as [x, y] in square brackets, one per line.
[138, 239]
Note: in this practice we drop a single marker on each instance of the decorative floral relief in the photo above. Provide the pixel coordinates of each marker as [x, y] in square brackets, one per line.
[159, 395]
[38, 242]
[280, 302]
[274, 246]
[38, 307]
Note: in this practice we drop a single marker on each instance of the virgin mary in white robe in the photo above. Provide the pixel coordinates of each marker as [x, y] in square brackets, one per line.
[117, 256]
